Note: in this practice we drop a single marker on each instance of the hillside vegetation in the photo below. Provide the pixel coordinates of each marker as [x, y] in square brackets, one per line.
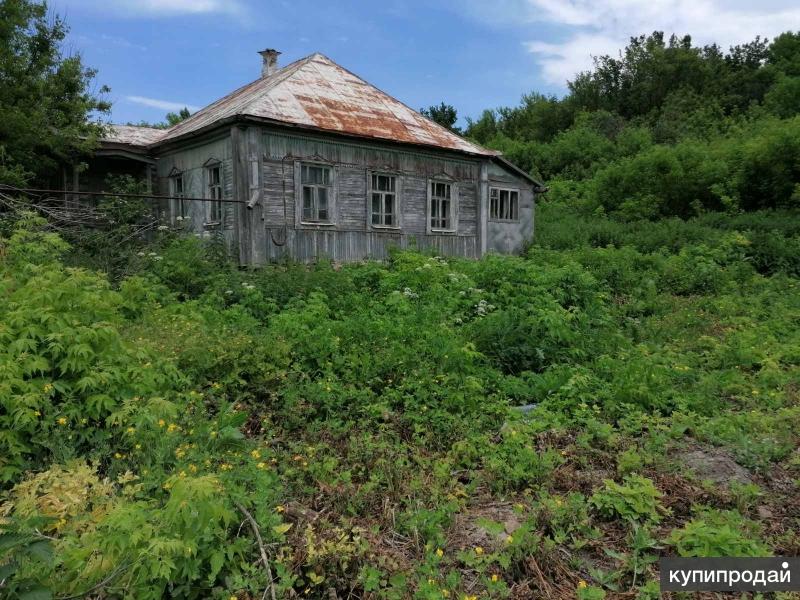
[362, 415]
[537, 426]
[665, 129]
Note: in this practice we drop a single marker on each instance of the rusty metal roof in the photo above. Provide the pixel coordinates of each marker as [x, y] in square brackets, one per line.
[133, 135]
[316, 93]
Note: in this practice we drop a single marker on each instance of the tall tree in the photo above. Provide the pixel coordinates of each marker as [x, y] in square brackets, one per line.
[48, 109]
[444, 114]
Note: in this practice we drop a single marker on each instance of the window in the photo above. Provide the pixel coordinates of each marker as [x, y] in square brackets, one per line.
[383, 207]
[177, 193]
[503, 204]
[316, 188]
[441, 206]
[214, 179]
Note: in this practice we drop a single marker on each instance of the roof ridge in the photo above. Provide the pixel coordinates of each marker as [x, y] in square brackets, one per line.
[283, 71]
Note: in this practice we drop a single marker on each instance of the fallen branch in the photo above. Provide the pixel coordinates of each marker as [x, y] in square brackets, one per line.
[264, 557]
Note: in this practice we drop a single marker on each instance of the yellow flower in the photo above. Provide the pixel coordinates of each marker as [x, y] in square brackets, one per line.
[84, 421]
[130, 430]
[36, 413]
[262, 465]
[62, 420]
[280, 508]
[172, 427]
[166, 486]
[225, 467]
[431, 580]
[445, 594]
[215, 385]
[182, 474]
[213, 434]
[117, 455]
[193, 468]
[581, 584]
[48, 387]
[509, 539]
[473, 597]
[439, 552]
[161, 422]
[138, 446]
[233, 598]
[478, 550]
[255, 454]
[495, 578]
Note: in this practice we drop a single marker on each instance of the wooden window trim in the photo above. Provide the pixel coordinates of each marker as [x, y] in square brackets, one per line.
[500, 189]
[298, 195]
[209, 212]
[398, 202]
[453, 229]
[180, 204]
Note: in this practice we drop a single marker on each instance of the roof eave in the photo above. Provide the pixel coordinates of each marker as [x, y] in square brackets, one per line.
[239, 118]
[539, 187]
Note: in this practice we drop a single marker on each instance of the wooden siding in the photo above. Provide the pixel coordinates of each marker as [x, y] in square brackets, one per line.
[351, 238]
[349, 246]
[259, 169]
[510, 237]
[190, 162]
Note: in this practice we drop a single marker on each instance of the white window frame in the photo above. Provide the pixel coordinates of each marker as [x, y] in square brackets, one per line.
[398, 210]
[453, 228]
[513, 215]
[214, 192]
[299, 185]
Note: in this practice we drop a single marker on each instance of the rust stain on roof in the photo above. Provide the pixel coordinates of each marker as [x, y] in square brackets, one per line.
[316, 92]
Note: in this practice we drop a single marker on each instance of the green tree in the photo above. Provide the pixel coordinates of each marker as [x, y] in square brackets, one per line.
[47, 107]
[444, 114]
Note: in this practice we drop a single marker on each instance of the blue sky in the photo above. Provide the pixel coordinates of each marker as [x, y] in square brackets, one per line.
[158, 55]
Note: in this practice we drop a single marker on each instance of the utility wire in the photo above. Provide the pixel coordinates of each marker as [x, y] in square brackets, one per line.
[73, 194]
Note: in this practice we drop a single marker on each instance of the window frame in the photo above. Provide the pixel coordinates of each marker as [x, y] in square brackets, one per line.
[398, 211]
[501, 189]
[216, 203]
[453, 229]
[178, 196]
[299, 194]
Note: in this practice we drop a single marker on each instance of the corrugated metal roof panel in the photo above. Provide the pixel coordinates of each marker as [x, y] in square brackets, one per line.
[133, 135]
[315, 92]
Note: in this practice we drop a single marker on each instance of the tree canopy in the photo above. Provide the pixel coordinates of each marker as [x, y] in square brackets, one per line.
[49, 108]
[666, 128]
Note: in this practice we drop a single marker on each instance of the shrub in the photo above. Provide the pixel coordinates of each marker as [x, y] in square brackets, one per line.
[636, 499]
[717, 533]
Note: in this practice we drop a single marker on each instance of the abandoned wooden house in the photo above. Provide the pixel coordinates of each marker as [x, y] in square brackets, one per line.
[321, 164]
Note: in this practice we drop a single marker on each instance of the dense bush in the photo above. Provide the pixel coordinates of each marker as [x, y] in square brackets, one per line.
[360, 415]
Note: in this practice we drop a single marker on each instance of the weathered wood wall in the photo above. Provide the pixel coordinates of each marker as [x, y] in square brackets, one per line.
[190, 160]
[503, 236]
[259, 172]
[351, 237]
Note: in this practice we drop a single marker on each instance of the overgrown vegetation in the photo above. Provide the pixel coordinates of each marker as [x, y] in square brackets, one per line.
[666, 129]
[545, 425]
[364, 418]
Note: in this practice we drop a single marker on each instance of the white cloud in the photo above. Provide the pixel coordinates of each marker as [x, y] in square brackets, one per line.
[160, 104]
[596, 27]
